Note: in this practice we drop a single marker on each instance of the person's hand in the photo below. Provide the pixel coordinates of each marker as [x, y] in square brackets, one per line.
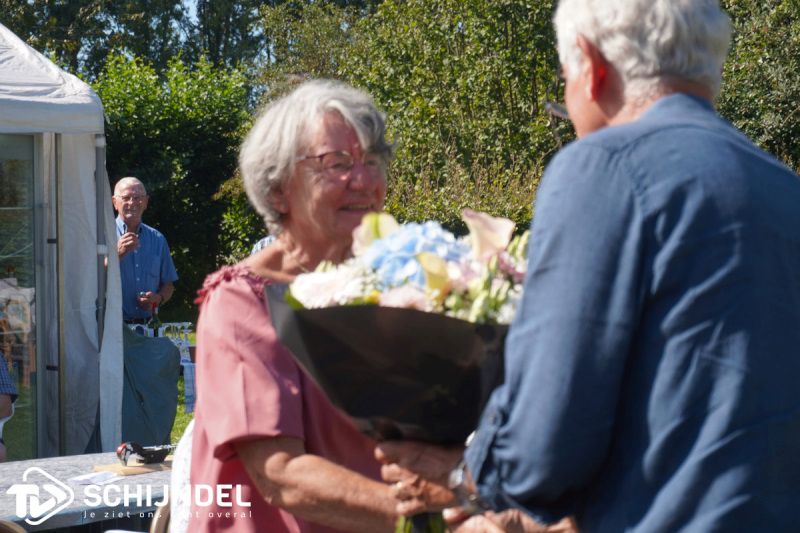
[146, 300]
[419, 474]
[127, 243]
[510, 521]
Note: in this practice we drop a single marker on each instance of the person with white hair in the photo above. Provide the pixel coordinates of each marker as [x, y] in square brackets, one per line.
[652, 371]
[313, 165]
[146, 268]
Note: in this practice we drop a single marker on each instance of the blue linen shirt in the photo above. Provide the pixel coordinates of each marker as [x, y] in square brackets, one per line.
[145, 269]
[653, 370]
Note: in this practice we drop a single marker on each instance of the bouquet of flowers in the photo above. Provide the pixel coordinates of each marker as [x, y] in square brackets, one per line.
[477, 278]
[406, 336]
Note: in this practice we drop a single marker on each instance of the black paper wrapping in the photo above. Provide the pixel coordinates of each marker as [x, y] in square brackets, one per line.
[398, 373]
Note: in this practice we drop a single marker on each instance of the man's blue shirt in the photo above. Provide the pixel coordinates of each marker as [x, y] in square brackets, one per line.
[144, 269]
[653, 370]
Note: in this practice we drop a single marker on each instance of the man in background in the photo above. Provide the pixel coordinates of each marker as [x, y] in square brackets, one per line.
[146, 267]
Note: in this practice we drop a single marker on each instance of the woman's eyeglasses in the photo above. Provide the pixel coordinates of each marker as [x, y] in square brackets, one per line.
[342, 161]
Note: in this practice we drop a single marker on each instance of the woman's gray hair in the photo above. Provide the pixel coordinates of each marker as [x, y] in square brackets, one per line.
[648, 41]
[281, 133]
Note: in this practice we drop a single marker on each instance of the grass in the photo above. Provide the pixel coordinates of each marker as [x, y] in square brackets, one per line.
[19, 432]
[182, 418]
[20, 435]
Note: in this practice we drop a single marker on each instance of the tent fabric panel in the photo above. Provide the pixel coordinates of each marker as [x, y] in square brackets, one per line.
[111, 359]
[38, 96]
[89, 370]
[35, 117]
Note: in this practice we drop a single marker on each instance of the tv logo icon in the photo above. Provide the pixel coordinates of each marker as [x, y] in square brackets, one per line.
[30, 504]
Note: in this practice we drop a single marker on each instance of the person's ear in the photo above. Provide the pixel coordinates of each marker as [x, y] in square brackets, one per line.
[279, 201]
[597, 68]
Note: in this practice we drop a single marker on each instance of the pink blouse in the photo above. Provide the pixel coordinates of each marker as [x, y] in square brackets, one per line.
[249, 387]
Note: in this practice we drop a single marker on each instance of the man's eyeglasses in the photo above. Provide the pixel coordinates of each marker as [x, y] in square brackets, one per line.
[342, 161]
[557, 112]
[136, 198]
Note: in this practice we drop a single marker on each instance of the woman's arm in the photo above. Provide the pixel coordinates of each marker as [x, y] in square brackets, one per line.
[315, 489]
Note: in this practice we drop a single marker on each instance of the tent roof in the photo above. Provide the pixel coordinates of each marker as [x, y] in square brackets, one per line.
[36, 95]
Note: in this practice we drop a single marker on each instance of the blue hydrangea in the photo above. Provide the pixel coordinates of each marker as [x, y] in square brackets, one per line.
[394, 258]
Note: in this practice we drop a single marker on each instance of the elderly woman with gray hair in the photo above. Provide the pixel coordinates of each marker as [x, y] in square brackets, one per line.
[265, 436]
[652, 370]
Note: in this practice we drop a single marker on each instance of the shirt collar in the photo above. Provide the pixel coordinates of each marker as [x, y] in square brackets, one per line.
[122, 227]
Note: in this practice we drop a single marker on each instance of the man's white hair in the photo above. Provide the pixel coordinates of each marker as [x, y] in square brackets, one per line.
[281, 133]
[128, 180]
[648, 41]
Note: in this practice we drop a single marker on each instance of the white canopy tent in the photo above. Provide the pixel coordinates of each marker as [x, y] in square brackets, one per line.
[78, 311]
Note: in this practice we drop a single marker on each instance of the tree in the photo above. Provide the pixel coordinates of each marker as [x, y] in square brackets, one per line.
[227, 31]
[79, 34]
[150, 29]
[180, 135]
[65, 30]
[761, 81]
[463, 83]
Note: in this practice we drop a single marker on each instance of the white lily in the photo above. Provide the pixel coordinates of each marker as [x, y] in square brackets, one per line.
[488, 235]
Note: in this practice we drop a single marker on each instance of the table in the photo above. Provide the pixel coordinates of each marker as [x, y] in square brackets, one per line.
[130, 496]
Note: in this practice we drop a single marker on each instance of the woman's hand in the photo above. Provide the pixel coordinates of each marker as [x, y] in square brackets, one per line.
[419, 474]
[314, 488]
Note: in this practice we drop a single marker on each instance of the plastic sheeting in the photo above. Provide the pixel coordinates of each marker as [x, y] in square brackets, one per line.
[150, 394]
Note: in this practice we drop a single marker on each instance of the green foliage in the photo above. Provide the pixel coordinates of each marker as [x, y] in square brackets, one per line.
[761, 87]
[61, 29]
[141, 28]
[227, 31]
[441, 194]
[306, 40]
[241, 227]
[80, 33]
[180, 135]
[470, 75]
[463, 84]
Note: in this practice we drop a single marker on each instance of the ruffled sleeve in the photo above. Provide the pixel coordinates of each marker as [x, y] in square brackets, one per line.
[248, 385]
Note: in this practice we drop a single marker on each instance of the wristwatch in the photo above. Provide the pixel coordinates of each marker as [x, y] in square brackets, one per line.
[468, 499]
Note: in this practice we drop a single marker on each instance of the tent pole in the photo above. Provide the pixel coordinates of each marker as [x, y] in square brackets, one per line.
[102, 245]
[62, 353]
[102, 262]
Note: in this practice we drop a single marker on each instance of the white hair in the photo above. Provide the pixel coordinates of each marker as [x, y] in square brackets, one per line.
[281, 133]
[128, 180]
[648, 41]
